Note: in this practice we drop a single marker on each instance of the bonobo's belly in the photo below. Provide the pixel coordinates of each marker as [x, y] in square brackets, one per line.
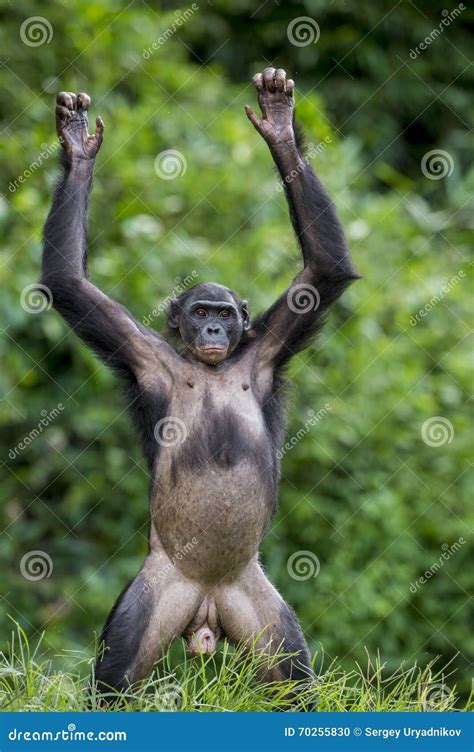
[214, 489]
[211, 522]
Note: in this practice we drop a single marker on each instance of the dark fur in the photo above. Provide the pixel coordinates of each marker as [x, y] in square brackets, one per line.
[122, 634]
[297, 666]
[146, 408]
[220, 440]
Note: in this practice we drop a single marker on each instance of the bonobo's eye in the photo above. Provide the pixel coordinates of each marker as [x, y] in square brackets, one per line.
[224, 314]
[201, 312]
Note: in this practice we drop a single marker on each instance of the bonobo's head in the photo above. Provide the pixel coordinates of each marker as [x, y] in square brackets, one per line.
[210, 320]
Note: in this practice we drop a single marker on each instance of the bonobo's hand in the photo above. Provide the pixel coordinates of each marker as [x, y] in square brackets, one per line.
[275, 97]
[72, 126]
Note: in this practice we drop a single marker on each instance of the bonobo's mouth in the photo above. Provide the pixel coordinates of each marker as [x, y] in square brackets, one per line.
[211, 354]
[211, 349]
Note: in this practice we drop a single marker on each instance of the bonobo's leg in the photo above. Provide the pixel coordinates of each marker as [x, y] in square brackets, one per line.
[156, 607]
[252, 611]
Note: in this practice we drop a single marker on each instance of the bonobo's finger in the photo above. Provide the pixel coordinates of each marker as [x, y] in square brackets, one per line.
[290, 85]
[83, 101]
[257, 80]
[280, 79]
[62, 112]
[252, 117]
[99, 129]
[62, 117]
[65, 99]
[269, 78]
[74, 99]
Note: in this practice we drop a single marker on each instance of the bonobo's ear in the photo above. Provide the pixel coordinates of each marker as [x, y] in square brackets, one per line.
[173, 313]
[244, 310]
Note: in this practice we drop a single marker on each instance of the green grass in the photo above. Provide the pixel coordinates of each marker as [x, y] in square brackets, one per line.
[30, 681]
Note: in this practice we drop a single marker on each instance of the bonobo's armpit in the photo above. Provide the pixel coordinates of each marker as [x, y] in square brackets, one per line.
[209, 412]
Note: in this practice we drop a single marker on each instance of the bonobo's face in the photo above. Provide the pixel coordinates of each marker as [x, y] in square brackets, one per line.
[210, 319]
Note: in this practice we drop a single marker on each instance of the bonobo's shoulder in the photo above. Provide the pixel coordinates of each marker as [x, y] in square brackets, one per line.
[158, 357]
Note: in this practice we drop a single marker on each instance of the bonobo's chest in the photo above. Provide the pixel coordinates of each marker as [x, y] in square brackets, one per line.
[213, 419]
[210, 394]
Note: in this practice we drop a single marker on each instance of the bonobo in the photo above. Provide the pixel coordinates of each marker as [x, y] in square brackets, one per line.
[210, 412]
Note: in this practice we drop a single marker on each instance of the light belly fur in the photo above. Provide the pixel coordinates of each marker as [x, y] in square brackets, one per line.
[211, 521]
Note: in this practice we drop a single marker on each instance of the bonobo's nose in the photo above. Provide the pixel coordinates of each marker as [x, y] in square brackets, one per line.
[213, 329]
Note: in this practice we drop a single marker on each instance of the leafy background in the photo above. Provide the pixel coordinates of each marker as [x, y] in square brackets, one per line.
[361, 490]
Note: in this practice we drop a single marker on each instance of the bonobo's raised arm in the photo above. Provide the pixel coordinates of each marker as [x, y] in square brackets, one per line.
[288, 325]
[103, 324]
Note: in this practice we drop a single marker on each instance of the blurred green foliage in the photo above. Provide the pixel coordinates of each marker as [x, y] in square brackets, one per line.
[361, 490]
